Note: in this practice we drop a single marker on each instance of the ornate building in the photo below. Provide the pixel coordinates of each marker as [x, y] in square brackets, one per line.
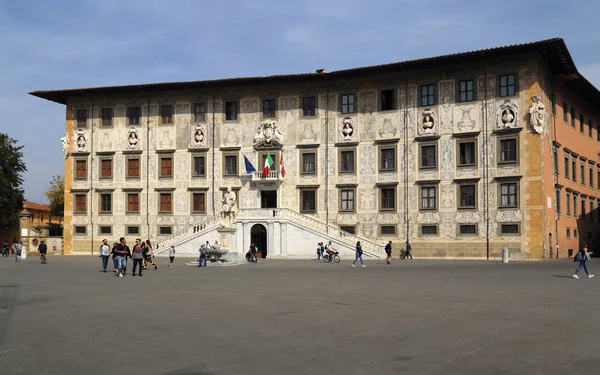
[454, 153]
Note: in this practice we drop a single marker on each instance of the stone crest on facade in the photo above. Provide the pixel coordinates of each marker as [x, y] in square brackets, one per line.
[428, 123]
[268, 135]
[347, 130]
[508, 115]
[65, 144]
[133, 138]
[80, 140]
[198, 136]
[537, 114]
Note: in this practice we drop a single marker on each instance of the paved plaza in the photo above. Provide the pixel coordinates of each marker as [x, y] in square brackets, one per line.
[299, 317]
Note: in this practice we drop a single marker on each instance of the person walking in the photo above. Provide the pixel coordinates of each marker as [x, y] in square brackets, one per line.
[148, 254]
[254, 251]
[203, 254]
[42, 249]
[121, 251]
[17, 248]
[408, 251]
[138, 256]
[114, 256]
[388, 251]
[582, 257]
[171, 255]
[359, 254]
[320, 250]
[104, 254]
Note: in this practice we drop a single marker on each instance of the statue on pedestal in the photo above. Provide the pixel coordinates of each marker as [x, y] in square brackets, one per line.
[228, 208]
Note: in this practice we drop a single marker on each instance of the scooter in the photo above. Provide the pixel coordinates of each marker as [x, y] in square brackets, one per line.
[331, 255]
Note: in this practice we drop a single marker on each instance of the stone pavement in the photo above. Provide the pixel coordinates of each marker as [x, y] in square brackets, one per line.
[299, 317]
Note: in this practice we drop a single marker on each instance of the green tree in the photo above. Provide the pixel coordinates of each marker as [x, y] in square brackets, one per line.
[56, 196]
[11, 180]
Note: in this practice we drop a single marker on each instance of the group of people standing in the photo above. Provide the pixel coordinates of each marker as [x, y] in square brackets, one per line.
[12, 249]
[142, 254]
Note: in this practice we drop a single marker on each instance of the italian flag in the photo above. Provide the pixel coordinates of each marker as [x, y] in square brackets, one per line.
[268, 165]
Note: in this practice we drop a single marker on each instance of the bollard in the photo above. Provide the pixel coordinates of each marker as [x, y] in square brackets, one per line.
[504, 255]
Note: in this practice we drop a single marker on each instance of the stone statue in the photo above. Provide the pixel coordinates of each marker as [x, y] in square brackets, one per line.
[347, 129]
[268, 134]
[428, 122]
[507, 115]
[228, 208]
[537, 114]
[65, 144]
[133, 140]
[80, 139]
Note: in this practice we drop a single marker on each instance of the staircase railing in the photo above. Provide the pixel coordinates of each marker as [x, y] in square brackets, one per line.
[203, 221]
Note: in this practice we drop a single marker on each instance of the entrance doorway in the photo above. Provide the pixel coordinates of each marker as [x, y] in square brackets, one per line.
[258, 237]
[268, 199]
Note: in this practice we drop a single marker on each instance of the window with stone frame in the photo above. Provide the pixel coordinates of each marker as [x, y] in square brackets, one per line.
[509, 195]
[133, 115]
[387, 100]
[199, 112]
[133, 202]
[166, 167]
[510, 229]
[269, 108]
[387, 198]
[82, 117]
[387, 230]
[199, 202]
[165, 230]
[427, 95]
[575, 233]
[508, 150]
[107, 117]
[575, 205]
[308, 200]
[508, 85]
[348, 229]
[467, 229]
[466, 91]
[387, 159]
[132, 230]
[347, 161]
[231, 165]
[581, 123]
[133, 167]
[568, 203]
[80, 203]
[80, 169]
[309, 163]
[590, 128]
[467, 196]
[428, 197]
[429, 229]
[231, 111]
[80, 230]
[582, 173]
[428, 156]
[565, 112]
[198, 166]
[309, 106]
[105, 229]
[348, 103]
[555, 156]
[105, 168]
[347, 200]
[105, 203]
[573, 117]
[574, 169]
[166, 114]
[467, 154]
[568, 232]
[557, 201]
[583, 206]
[166, 202]
[567, 163]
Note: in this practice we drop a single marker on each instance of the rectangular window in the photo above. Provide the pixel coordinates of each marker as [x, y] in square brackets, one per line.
[508, 194]
[567, 162]
[575, 205]
[388, 230]
[467, 196]
[387, 161]
[575, 233]
[199, 166]
[466, 154]
[105, 203]
[573, 117]
[133, 167]
[591, 177]
[347, 200]
[105, 230]
[557, 202]
[82, 116]
[508, 150]
[199, 112]
[269, 108]
[574, 169]
[568, 203]
[165, 230]
[133, 115]
[347, 161]
[199, 202]
[308, 163]
[81, 203]
[582, 174]
[388, 100]
[81, 169]
[348, 103]
[581, 123]
[106, 168]
[308, 200]
[231, 168]
[388, 199]
[231, 111]
[582, 207]
[348, 229]
[556, 162]
[165, 202]
[429, 230]
[428, 156]
[590, 128]
[166, 167]
[133, 202]
[592, 210]
[508, 85]
[166, 114]
[309, 106]
[468, 229]
[427, 95]
[509, 229]
[428, 197]
[132, 230]
[568, 232]
[107, 116]
[466, 91]
[80, 230]
[565, 112]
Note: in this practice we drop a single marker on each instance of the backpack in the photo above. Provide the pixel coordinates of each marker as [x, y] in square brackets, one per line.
[578, 256]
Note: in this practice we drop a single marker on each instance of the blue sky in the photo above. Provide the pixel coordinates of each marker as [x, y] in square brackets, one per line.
[81, 43]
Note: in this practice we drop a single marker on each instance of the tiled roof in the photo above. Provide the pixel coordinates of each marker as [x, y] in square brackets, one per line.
[35, 206]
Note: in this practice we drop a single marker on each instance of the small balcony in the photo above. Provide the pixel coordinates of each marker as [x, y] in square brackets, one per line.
[270, 177]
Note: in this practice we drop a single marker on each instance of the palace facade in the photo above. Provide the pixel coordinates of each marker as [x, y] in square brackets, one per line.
[463, 155]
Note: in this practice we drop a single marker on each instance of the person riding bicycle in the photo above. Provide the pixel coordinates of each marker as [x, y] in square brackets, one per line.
[330, 249]
[42, 249]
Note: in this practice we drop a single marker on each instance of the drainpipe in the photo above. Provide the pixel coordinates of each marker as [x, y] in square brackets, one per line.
[406, 217]
[327, 159]
[92, 179]
[148, 170]
[213, 154]
[556, 213]
[486, 181]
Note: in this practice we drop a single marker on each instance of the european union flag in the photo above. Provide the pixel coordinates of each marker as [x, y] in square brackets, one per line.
[249, 167]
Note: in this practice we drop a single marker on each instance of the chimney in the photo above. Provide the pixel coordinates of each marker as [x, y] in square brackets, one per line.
[320, 71]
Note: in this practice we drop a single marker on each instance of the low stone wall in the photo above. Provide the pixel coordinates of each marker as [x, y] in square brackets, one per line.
[458, 249]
